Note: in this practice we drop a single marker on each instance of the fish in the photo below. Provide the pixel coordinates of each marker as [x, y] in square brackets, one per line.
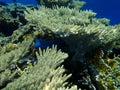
[39, 43]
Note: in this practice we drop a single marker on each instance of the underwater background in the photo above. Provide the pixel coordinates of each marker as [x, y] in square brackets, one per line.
[109, 9]
[59, 45]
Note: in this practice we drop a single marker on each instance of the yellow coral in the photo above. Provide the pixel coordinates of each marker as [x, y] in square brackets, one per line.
[15, 31]
[27, 36]
[10, 46]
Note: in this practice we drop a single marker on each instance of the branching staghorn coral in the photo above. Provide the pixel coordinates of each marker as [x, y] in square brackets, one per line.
[8, 62]
[76, 4]
[12, 56]
[89, 40]
[59, 20]
[13, 41]
[86, 32]
[75, 26]
[50, 3]
[45, 75]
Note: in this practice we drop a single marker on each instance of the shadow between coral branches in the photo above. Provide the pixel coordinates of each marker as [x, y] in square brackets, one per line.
[75, 64]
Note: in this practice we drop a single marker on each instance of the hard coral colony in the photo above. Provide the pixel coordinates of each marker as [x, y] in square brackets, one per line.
[56, 46]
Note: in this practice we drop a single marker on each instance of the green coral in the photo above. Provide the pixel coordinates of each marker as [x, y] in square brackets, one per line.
[74, 26]
[76, 4]
[84, 65]
[59, 20]
[44, 75]
[87, 32]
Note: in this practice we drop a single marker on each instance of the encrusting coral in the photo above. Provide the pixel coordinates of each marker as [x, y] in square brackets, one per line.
[90, 48]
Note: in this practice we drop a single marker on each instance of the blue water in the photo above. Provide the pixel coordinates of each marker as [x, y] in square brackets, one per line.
[31, 2]
[104, 8]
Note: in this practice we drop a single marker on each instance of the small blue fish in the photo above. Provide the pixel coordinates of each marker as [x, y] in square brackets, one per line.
[44, 44]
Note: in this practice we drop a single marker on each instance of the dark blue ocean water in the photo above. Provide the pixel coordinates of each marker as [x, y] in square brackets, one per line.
[104, 8]
[33, 2]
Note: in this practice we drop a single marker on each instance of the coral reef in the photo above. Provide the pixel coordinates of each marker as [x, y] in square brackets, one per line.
[32, 77]
[77, 4]
[11, 17]
[56, 46]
